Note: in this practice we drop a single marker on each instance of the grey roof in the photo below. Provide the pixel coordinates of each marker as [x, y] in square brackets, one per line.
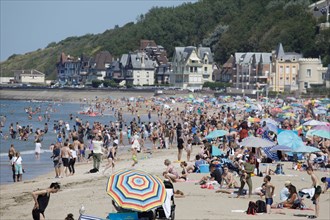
[137, 59]
[207, 51]
[124, 59]
[281, 54]
[248, 57]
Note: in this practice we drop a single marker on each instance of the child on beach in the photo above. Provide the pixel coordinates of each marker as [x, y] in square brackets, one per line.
[269, 193]
[189, 149]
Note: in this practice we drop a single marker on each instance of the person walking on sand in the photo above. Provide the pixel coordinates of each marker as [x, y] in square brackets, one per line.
[65, 155]
[318, 191]
[269, 193]
[97, 151]
[246, 176]
[135, 149]
[57, 160]
[41, 200]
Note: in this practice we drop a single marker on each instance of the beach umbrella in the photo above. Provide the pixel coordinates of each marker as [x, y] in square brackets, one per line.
[290, 139]
[276, 110]
[280, 148]
[305, 149]
[286, 107]
[136, 190]
[321, 133]
[272, 127]
[256, 142]
[268, 121]
[254, 120]
[314, 123]
[216, 133]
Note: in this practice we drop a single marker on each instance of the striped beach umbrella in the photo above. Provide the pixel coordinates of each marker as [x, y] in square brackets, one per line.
[136, 190]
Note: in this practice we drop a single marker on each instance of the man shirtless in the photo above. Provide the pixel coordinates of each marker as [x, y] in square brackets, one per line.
[65, 155]
[318, 191]
[228, 178]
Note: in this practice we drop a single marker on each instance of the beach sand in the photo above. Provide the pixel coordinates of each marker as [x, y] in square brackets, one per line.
[89, 190]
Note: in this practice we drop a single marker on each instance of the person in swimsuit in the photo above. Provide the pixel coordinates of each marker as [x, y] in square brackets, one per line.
[170, 173]
[318, 191]
[41, 199]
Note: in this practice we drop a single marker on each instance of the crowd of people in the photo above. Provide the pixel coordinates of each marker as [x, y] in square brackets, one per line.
[186, 126]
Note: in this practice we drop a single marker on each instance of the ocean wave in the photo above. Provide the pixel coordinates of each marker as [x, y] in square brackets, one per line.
[26, 152]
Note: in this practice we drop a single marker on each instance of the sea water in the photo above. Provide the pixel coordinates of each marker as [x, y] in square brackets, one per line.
[14, 111]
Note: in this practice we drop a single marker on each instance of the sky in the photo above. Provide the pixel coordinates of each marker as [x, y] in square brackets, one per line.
[27, 25]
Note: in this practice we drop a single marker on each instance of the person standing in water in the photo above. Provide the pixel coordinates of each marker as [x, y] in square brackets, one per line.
[41, 200]
[11, 154]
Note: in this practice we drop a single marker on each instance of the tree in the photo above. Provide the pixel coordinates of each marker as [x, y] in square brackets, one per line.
[96, 83]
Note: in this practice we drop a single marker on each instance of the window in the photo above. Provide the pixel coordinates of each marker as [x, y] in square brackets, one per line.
[294, 71]
[287, 69]
[306, 85]
[281, 69]
[293, 78]
[205, 61]
[191, 69]
[205, 69]
[308, 73]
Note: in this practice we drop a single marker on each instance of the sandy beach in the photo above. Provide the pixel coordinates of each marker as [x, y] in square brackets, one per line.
[90, 189]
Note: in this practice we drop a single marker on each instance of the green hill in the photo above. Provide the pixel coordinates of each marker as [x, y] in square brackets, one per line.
[226, 26]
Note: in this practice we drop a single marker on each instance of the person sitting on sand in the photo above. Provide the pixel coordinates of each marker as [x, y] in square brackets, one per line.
[214, 178]
[228, 177]
[199, 161]
[188, 168]
[290, 201]
[170, 173]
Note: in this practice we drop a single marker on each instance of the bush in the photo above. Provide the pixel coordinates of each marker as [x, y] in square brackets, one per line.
[216, 85]
[110, 83]
[96, 83]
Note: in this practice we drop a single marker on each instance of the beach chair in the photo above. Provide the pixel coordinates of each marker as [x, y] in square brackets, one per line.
[167, 211]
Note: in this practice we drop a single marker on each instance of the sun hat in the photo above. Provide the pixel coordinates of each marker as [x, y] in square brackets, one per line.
[287, 183]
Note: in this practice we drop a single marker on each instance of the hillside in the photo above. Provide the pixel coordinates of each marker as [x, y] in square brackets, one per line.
[226, 26]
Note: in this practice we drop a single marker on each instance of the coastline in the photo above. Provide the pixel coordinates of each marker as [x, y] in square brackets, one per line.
[67, 95]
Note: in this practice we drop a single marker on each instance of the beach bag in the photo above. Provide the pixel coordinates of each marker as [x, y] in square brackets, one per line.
[252, 208]
[261, 206]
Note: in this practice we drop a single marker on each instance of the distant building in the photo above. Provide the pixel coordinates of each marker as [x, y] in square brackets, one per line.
[29, 76]
[7, 80]
[191, 67]
[68, 69]
[250, 70]
[327, 77]
[285, 74]
[157, 53]
[311, 72]
[138, 69]
[99, 66]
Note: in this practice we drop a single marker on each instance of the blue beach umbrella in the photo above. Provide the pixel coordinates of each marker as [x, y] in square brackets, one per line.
[280, 148]
[269, 121]
[305, 149]
[273, 128]
[321, 133]
[290, 139]
[216, 134]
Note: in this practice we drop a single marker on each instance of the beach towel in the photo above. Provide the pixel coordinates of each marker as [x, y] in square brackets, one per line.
[167, 203]
[309, 193]
[269, 154]
[88, 217]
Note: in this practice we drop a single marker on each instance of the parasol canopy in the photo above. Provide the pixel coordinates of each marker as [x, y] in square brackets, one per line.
[216, 133]
[290, 139]
[256, 142]
[136, 190]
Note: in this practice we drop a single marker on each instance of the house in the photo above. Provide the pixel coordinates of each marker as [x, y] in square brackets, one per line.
[157, 53]
[285, 74]
[68, 69]
[29, 76]
[191, 67]
[311, 72]
[227, 71]
[102, 61]
[138, 68]
[250, 70]
[115, 72]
